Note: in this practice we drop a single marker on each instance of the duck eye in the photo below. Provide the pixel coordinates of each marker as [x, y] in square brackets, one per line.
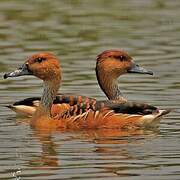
[40, 59]
[121, 58]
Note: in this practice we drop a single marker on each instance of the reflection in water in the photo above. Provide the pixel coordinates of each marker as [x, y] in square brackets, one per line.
[101, 139]
[49, 153]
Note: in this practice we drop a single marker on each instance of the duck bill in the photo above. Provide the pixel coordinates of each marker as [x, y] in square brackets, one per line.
[21, 71]
[137, 69]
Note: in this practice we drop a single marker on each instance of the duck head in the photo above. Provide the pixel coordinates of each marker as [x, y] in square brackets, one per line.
[45, 66]
[117, 62]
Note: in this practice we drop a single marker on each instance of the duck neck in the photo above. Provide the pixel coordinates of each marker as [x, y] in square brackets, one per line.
[109, 85]
[49, 94]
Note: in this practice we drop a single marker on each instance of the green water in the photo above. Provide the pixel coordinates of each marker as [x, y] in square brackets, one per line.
[77, 31]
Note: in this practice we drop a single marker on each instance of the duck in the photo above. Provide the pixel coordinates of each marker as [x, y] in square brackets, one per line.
[110, 65]
[90, 113]
[107, 76]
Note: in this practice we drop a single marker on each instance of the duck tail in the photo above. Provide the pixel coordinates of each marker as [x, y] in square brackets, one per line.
[163, 112]
[152, 120]
[9, 106]
[22, 109]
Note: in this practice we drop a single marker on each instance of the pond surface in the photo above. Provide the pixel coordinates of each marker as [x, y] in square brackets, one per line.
[76, 31]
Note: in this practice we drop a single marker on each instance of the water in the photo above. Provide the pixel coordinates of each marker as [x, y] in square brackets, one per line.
[76, 31]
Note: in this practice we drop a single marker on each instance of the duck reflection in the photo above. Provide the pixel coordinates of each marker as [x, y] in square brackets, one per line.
[49, 154]
[103, 141]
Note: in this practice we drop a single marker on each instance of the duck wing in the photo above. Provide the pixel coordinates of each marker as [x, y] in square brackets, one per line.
[27, 106]
[112, 114]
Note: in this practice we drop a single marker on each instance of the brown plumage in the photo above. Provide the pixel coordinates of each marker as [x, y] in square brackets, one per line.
[109, 66]
[61, 111]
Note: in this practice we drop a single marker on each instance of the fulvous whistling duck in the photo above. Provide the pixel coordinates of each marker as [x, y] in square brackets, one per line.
[109, 66]
[91, 113]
